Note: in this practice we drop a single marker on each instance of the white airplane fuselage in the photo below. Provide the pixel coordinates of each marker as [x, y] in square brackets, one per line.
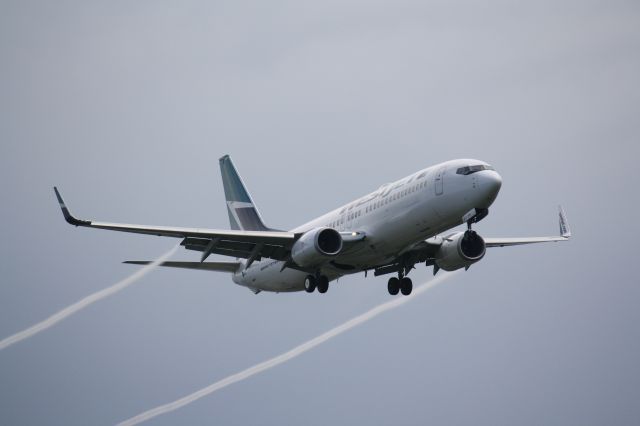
[394, 218]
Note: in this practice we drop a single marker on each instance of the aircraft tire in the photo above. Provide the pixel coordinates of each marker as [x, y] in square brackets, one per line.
[393, 286]
[309, 284]
[406, 285]
[323, 284]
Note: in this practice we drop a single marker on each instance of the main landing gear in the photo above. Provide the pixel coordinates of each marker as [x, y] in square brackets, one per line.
[321, 282]
[401, 284]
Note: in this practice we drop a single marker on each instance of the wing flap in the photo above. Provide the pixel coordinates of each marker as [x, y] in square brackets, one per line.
[236, 249]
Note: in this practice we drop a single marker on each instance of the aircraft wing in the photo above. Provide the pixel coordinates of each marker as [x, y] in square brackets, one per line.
[251, 245]
[504, 242]
[565, 234]
[424, 251]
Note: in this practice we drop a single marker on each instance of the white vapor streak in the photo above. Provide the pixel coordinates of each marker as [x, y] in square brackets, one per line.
[270, 363]
[92, 298]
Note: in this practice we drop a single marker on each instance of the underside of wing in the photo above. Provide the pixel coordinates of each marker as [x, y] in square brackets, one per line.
[204, 266]
[243, 249]
[247, 244]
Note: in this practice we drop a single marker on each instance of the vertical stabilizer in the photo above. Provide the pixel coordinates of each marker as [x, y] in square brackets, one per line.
[243, 214]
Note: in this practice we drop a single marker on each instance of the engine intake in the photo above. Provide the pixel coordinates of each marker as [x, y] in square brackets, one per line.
[314, 246]
[460, 250]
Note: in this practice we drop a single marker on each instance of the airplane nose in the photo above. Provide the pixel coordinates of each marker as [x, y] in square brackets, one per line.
[493, 182]
[490, 183]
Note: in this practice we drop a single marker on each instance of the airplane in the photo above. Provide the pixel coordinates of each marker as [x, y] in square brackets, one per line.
[388, 231]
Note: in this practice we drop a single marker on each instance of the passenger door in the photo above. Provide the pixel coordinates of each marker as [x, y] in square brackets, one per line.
[439, 181]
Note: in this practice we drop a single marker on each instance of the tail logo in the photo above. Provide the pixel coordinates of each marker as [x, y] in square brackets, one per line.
[245, 216]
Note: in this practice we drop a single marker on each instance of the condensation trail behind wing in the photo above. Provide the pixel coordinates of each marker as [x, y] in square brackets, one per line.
[72, 309]
[298, 350]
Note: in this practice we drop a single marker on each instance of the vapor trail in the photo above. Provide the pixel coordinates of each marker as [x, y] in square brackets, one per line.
[72, 309]
[298, 350]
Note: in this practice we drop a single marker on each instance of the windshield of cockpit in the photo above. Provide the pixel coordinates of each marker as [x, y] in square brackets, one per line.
[467, 170]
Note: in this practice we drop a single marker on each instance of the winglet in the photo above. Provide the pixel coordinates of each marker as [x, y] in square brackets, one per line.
[67, 215]
[565, 231]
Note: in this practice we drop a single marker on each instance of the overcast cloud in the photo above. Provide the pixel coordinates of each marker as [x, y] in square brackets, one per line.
[127, 106]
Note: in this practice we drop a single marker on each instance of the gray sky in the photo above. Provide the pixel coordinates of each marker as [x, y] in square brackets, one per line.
[128, 105]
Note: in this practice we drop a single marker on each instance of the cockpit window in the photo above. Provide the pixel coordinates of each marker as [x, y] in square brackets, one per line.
[472, 169]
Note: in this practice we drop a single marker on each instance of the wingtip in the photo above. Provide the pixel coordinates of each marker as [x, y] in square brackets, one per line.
[565, 230]
[60, 201]
[66, 213]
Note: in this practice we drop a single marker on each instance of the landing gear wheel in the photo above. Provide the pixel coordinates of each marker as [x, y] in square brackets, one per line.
[323, 284]
[393, 286]
[309, 284]
[406, 286]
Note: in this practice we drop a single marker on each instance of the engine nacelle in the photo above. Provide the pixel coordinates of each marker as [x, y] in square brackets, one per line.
[460, 250]
[314, 246]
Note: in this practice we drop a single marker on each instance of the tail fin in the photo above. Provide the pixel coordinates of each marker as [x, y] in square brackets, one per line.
[243, 214]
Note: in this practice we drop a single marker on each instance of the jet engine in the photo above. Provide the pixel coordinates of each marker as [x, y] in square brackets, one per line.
[314, 246]
[460, 250]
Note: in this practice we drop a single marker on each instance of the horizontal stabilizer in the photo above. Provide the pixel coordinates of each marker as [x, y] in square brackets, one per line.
[205, 266]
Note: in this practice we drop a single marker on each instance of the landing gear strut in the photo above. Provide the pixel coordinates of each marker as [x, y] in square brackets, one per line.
[474, 216]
